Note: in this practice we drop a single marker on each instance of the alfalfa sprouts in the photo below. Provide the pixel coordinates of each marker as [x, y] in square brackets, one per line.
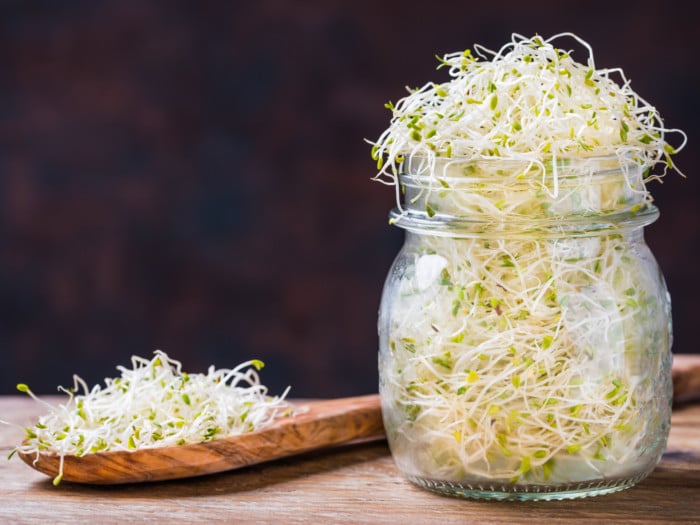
[524, 324]
[527, 101]
[153, 404]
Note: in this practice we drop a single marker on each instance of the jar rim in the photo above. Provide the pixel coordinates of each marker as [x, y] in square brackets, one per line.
[590, 225]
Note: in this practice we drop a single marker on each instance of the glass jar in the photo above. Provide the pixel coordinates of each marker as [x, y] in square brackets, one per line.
[525, 329]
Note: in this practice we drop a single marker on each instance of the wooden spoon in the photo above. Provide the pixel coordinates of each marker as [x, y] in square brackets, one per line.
[317, 424]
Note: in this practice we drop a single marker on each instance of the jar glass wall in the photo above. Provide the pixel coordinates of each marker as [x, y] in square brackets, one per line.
[525, 330]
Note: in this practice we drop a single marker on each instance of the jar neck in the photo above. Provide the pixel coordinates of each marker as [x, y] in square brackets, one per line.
[622, 224]
[572, 196]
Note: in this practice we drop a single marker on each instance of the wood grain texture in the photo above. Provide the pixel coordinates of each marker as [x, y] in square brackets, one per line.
[348, 484]
[317, 424]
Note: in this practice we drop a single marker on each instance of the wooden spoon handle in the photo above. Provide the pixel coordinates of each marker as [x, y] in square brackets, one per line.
[317, 424]
[686, 377]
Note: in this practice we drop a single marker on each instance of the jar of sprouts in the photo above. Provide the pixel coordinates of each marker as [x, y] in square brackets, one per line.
[527, 358]
[524, 327]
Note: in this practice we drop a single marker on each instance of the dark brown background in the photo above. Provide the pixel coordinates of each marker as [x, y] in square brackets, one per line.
[193, 176]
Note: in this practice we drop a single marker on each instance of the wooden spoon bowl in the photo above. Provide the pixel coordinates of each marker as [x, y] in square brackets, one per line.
[315, 425]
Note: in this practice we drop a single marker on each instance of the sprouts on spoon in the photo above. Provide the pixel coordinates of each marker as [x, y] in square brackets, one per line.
[154, 404]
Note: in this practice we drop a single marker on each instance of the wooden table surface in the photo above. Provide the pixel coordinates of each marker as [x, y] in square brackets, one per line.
[350, 484]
